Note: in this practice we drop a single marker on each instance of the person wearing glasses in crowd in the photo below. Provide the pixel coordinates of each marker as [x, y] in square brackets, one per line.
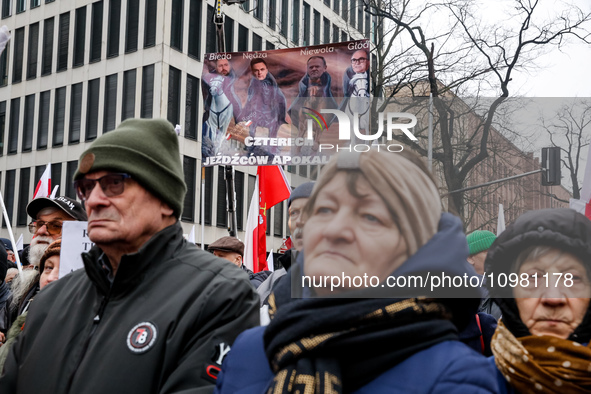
[356, 89]
[150, 312]
[48, 215]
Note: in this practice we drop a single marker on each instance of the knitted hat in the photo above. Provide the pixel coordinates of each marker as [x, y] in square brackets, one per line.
[479, 241]
[302, 191]
[227, 244]
[53, 249]
[402, 181]
[146, 149]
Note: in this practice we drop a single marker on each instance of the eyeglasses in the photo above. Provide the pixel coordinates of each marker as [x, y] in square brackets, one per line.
[357, 61]
[53, 227]
[112, 185]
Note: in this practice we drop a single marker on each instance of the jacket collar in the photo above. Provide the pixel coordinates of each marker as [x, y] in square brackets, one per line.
[161, 246]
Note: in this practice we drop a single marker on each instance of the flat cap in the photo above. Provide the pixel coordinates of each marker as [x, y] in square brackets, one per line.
[228, 244]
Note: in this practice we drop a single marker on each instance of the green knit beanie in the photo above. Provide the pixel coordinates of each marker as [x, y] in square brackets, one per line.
[146, 149]
[480, 240]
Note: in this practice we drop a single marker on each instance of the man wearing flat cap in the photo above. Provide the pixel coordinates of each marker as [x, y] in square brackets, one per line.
[232, 249]
[150, 312]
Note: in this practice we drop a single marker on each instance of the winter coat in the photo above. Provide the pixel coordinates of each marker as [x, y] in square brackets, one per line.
[478, 336]
[452, 368]
[446, 367]
[163, 324]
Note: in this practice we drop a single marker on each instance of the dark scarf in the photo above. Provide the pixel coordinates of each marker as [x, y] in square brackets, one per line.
[340, 344]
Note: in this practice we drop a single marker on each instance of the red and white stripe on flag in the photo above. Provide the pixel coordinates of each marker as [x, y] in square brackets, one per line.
[43, 188]
[271, 187]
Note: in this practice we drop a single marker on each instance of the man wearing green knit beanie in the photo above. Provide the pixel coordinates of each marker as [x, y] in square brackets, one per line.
[479, 242]
[149, 310]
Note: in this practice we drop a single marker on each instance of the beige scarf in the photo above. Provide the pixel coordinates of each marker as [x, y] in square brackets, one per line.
[542, 364]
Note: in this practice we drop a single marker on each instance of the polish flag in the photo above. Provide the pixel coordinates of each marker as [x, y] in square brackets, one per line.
[584, 204]
[271, 187]
[43, 188]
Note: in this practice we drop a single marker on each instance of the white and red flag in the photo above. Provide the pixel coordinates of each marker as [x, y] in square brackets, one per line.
[271, 187]
[43, 188]
[583, 205]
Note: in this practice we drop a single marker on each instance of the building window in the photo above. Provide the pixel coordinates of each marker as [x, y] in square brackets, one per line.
[6, 8]
[207, 199]
[284, 19]
[2, 125]
[176, 25]
[272, 14]
[174, 96]
[190, 171]
[33, 51]
[239, 190]
[129, 78]
[147, 91]
[59, 116]
[63, 42]
[242, 38]
[28, 123]
[4, 66]
[303, 171]
[92, 109]
[335, 6]
[47, 54]
[345, 10]
[360, 17]
[131, 34]
[114, 28]
[327, 2]
[307, 24]
[269, 45]
[257, 42]
[344, 36]
[258, 10]
[56, 175]
[23, 197]
[229, 33]
[19, 47]
[194, 49]
[21, 6]
[75, 113]
[70, 171]
[79, 36]
[211, 35]
[335, 33]
[150, 23]
[110, 103]
[96, 32]
[326, 31]
[316, 27]
[192, 107]
[43, 126]
[295, 34]
[278, 220]
[9, 194]
[353, 13]
[13, 126]
[221, 213]
[35, 3]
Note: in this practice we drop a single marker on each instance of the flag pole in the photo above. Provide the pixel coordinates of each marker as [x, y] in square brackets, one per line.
[11, 235]
[203, 208]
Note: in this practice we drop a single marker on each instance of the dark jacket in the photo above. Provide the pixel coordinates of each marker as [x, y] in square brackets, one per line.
[479, 332]
[163, 325]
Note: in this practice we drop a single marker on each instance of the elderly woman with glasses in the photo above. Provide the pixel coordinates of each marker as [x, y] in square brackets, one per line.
[542, 283]
[375, 218]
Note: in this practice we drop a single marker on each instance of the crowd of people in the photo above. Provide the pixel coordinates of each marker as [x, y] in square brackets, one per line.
[151, 312]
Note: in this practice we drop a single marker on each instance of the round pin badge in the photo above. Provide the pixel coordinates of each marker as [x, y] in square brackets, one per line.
[142, 337]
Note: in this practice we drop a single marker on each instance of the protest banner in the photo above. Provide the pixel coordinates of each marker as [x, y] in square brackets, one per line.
[75, 241]
[283, 107]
